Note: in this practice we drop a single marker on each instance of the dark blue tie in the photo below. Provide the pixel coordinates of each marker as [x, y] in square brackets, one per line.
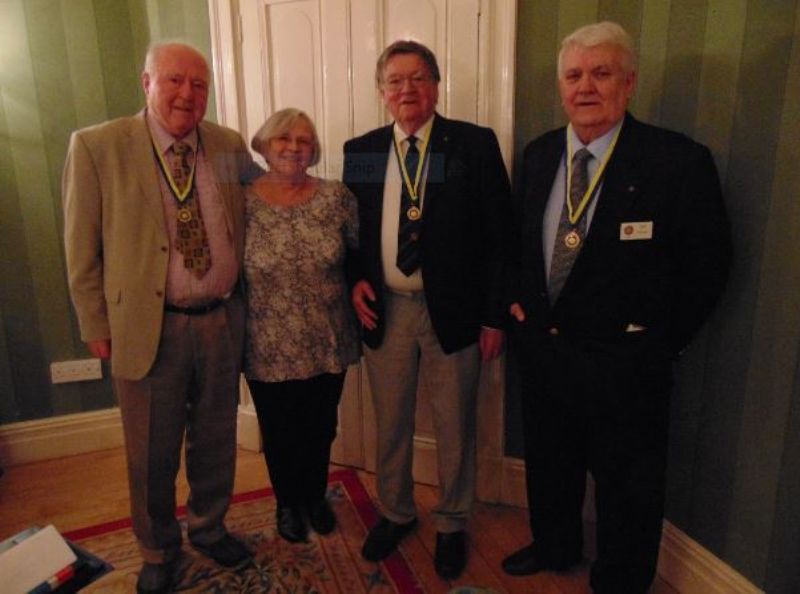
[408, 249]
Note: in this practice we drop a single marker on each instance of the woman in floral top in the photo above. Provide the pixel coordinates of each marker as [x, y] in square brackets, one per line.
[301, 332]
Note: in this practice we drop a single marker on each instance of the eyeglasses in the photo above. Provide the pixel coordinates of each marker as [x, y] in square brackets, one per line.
[395, 83]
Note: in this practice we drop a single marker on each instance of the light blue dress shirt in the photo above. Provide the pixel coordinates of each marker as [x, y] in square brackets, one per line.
[558, 193]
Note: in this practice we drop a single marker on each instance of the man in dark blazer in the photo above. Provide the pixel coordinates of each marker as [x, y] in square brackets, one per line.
[622, 253]
[427, 288]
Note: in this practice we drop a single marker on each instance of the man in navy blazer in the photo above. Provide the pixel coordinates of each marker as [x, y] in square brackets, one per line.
[622, 253]
[433, 197]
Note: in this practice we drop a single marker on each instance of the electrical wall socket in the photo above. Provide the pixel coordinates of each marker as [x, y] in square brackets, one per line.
[78, 370]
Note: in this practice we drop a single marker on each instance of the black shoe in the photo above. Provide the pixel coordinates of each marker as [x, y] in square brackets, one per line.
[321, 517]
[291, 525]
[451, 554]
[155, 578]
[384, 538]
[227, 551]
[527, 561]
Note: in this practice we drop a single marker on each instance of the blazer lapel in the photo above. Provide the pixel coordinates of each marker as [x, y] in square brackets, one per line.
[142, 158]
[540, 184]
[375, 155]
[216, 159]
[439, 154]
[617, 196]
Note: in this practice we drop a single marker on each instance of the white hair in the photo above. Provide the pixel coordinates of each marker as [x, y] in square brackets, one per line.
[603, 33]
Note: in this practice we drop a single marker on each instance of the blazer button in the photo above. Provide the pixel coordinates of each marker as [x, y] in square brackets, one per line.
[552, 331]
[159, 294]
[164, 248]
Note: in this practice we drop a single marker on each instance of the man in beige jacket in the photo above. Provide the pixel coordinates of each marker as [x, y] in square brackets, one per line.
[154, 209]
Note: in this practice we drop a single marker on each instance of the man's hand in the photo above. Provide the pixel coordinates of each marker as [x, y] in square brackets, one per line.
[491, 343]
[100, 348]
[362, 293]
[517, 312]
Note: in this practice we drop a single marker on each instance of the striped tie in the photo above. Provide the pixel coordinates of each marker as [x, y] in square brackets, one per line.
[408, 248]
[564, 253]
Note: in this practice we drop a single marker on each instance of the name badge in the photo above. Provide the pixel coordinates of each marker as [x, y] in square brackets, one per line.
[636, 231]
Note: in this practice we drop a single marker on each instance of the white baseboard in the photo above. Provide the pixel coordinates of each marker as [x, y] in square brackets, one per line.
[682, 563]
[67, 435]
[56, 437]
[691, 569]
[248, 432]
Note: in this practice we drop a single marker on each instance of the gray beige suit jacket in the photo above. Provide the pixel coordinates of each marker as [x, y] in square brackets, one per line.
[117, 246]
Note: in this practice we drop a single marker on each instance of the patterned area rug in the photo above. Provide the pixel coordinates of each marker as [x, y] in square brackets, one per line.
[329, 564]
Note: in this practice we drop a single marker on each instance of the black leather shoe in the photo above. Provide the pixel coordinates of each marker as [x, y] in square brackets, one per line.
[526, 561]
[227, 551]
[155, 578]
[384, 538]
[451, 554]
[291, 525]
[321, 517]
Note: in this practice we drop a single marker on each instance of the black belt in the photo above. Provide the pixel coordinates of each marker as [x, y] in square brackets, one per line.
[198, 310]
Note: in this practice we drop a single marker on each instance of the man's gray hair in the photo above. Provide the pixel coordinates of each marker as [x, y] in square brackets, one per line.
[603, 33]
[406, 46]
[282, 121]
[155, 48]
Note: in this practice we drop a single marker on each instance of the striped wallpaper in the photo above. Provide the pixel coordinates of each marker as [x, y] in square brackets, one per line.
[64, 64]
[726, 72]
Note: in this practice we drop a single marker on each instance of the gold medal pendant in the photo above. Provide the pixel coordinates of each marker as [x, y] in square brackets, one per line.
[413, 213]
[572, 239]
[184, 215]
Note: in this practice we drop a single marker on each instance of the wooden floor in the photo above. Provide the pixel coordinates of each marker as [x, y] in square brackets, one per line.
[83, 490]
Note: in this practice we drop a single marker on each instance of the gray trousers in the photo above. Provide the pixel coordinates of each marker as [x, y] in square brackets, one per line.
[409, 355]
[191, 390]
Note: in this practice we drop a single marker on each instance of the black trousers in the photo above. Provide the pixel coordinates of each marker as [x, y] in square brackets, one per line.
[298, 421]
[601, 407]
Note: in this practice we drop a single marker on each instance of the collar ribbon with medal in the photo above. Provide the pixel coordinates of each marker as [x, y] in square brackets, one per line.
[184, 214]
[414, 212]
[573, 239]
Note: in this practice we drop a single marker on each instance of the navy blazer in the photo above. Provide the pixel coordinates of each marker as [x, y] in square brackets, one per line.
[464, 227]
[667, 284]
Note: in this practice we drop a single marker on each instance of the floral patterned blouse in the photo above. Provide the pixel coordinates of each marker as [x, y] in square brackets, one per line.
[300, 322]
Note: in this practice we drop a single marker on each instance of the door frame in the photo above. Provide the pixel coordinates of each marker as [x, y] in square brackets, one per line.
[500, 479]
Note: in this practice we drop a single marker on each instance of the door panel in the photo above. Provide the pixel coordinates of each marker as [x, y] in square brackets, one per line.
[319, 56]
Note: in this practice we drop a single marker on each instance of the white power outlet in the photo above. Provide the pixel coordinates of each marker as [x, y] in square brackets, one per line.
[78, 370]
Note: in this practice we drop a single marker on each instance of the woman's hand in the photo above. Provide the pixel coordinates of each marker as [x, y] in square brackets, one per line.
[491, 343]
[362, 294]
[517, 312]
[100, 348]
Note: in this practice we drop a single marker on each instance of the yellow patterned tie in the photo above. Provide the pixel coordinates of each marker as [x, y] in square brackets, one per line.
[192, 240]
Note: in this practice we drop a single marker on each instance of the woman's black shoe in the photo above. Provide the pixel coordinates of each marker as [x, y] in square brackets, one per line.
[291, 525]
[321, 517]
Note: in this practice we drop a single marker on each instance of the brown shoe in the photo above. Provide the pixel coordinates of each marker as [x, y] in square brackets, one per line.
[527, 561]
[227, 551]
[321, 517]
[384, 538]
[451, 554]
[155, 578]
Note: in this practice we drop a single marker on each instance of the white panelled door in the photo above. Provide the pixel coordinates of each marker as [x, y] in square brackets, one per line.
[319, 56]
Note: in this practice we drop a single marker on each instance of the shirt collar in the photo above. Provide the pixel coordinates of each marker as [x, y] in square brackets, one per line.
[598, 147]
[163, 139]
[400, 135]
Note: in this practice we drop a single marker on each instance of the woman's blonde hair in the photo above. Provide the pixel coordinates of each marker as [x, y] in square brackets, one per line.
[280, 122]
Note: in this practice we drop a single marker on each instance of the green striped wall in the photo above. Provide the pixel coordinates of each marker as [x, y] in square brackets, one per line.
[64, 64]
[726, 72]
